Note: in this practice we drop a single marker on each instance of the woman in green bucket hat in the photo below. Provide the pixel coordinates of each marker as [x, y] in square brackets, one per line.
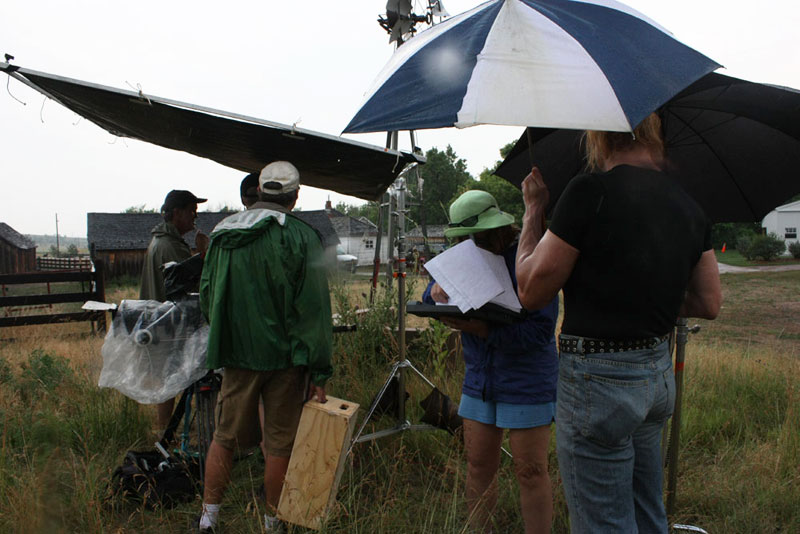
[509, 381]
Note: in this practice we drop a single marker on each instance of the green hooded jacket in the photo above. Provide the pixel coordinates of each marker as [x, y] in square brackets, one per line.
[167, 245]
[264, 291]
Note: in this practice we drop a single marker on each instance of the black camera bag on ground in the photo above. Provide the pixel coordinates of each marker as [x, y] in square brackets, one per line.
[147, 477]
[150, 478]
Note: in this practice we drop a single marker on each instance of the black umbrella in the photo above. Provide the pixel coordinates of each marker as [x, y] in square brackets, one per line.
[733, 145]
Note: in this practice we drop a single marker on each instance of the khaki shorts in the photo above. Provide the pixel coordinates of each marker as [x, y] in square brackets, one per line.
[283, 392]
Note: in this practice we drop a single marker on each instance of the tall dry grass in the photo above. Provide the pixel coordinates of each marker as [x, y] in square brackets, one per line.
[740, 442]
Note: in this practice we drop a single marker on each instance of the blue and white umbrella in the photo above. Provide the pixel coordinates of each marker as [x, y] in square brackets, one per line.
[578, 64]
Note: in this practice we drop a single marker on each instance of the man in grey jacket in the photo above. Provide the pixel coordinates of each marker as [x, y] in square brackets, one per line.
[179, 211]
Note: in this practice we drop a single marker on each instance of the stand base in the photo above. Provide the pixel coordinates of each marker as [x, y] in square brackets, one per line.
[403, 424]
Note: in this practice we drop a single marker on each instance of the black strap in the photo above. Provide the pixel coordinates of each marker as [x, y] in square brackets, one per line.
[175, 419]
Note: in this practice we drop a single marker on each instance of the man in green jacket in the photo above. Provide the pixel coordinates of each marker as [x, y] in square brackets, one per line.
[264, 291]
[179, 212]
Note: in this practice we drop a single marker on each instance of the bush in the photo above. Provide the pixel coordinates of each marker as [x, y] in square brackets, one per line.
[794, 249]
[730, 233]
[766, 247]
[743, 244]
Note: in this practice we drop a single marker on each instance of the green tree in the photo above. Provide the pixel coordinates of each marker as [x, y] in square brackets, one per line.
[444, 175]
[54, 252]
[72, 250]
[508, 196]
[729, 233]
[139, 209]
[368, 210]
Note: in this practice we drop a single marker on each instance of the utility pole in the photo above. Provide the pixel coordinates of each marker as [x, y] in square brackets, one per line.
[58, 248]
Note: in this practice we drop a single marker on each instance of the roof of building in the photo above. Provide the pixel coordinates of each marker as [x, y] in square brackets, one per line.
[319, 220]
[791, 206]
[434, 230]
[367, 221]
[347, 226]
[15, 238]
[131, 231]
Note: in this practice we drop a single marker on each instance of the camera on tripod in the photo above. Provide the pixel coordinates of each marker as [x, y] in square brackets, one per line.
[154, 350]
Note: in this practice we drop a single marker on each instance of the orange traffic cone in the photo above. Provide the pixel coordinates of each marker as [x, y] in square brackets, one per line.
[724, 246]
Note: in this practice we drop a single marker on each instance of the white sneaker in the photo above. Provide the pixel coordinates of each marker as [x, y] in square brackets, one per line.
[273, 525]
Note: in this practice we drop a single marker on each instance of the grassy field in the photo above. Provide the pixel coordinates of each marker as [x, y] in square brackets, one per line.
[739, 470]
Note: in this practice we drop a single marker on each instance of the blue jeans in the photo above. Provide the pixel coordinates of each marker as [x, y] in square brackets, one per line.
[611, 408]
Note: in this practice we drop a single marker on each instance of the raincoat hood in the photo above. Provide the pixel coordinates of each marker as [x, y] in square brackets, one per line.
[243, 228]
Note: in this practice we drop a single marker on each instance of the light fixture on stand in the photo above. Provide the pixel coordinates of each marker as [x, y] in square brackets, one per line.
[397, 375]
[399, 22]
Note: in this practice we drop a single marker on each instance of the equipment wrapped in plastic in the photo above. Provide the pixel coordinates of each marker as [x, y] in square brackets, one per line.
[154, 350]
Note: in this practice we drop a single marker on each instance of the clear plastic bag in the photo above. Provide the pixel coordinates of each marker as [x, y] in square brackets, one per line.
[154, 350]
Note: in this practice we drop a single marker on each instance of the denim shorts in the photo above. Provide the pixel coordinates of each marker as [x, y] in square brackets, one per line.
[504, 415]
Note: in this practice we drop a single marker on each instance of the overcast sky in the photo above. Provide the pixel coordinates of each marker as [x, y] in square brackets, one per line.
[287, 62]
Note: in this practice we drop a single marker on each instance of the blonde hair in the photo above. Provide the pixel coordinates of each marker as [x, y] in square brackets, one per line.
[600, 145]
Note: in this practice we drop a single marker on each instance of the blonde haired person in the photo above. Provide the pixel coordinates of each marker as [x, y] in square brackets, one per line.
[632, 252]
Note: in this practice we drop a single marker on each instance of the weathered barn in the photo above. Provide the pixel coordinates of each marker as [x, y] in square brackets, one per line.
[17, 252]
[121, 239]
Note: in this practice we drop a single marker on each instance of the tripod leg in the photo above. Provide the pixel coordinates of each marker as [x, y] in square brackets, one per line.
[374, 404]
[206, 404]
[174, 420]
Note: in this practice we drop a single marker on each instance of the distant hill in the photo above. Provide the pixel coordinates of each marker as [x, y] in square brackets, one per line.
[43, 242]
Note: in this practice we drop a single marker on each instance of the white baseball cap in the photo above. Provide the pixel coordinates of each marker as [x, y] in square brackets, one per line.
[278, 177]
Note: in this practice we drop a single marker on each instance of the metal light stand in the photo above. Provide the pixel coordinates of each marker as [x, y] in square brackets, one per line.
[399, 368]
[682, 332]
[434, 8]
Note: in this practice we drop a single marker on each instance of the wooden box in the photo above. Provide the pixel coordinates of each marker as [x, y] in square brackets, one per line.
[317, 462]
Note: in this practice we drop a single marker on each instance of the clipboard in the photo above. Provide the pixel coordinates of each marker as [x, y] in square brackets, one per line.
[490, 312]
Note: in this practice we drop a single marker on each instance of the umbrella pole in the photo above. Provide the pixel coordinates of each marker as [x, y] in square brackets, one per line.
[530, 155]
[530, 144]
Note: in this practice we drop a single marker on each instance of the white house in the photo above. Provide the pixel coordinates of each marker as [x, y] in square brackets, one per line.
[358, 236]
[784, 221]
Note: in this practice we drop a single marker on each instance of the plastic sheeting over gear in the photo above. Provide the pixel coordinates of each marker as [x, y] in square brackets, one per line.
[154, 350]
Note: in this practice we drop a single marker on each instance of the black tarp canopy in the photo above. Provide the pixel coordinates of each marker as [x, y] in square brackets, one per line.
[237, 141]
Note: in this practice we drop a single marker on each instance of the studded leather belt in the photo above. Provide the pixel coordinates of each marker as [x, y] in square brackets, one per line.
[588, 345]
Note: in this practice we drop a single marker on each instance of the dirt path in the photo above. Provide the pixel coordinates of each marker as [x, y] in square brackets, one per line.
[725, 268]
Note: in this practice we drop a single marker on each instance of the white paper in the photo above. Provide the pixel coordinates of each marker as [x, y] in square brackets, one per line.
[471, 277]
[93, 305]
[508, 297]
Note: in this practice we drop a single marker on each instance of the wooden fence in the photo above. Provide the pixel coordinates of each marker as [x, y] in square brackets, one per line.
[63, 264]
[95, 291]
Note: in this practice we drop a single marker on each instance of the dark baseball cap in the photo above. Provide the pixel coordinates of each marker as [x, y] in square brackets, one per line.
[179, 198]
[249, 187]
